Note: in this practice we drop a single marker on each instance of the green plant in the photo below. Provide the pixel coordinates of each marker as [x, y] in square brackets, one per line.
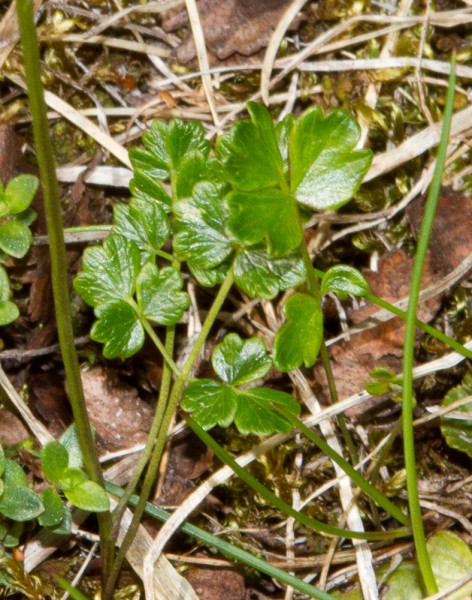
[15, 235]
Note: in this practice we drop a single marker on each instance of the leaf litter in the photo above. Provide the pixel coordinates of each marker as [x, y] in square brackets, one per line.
[381, 345]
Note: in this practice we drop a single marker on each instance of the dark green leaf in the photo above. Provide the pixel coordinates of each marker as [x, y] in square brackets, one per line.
[265, 214]
[15, 238]
[344, 280]
[250, 154]
[263, 276]
[209, 277]
[193, 169]
[255, 413]
[13, 475]
[20, 503]
[119, 328]
[18, 194]
[211, 403]
[326, 171]
[457, 427]
[109, 271]
[53, 513]
[159, 295]
[299, 339]
[238, 361]
[147, 189]
[88, 495]
[200, 236]
[144, 222]
[54, 461]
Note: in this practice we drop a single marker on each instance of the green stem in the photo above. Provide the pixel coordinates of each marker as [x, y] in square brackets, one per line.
[160, 346]
[169, 412]
[275, 501]
[409, 347]
[229, 550]
[356, 477]
[145, 457]
[59, 273]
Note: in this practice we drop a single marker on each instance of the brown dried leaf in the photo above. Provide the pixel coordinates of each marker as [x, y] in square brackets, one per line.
[217, 583]
[120, 418]
[12, 430]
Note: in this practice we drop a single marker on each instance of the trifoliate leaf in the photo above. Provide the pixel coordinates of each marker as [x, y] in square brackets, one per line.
[146, 188]
[193, 168]
[144, 222]
[238, 361]
[200, 236]
[119, 328]
[264, 276]
[298, 341]
[209, 277]
[344, 280]
[19, 194]
[166, 145]
[268, 214]
[250, 154]
[212, 403]
[255, 413]
[109, 271]
[457, 430]
[159, 295]
[325, 169]
[54, 461]
[15, 238]
[89, 496]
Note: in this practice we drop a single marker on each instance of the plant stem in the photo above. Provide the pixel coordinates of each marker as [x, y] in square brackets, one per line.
[59, 274]
[275, 501]
[169, 412]
[167, 356]
[409, 347]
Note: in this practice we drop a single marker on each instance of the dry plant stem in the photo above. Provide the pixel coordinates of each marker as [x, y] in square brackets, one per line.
[52, 207]
[409, 346]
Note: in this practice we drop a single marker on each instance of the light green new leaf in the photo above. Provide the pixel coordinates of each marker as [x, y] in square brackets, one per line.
[53, 514]
[145, 223]
[15, 238]
[70, 441]
[238, 361]
[200, 236]
[264, 276]
[267, 214]
[20, 503]
[18, 195]
[109, 271]
[255, 413]
[249, 153]
[54, 461]
[212, 403]
[299, 339]
[344, 280]
[456, 427]
[89, 496]
[325, 169]
[146, 188]
[159, 295]
[119, 328]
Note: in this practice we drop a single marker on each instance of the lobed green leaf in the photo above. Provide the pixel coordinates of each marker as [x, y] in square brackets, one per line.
[456, 430]
[212, 403]
[256, 414]
[298, 341]
[344, 280]
[239, 362]
[159, 296]
[145, 187]
[119, 328]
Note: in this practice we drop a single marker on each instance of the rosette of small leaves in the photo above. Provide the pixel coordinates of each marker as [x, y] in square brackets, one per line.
[253, 410]
[15, 235]
[124, 293]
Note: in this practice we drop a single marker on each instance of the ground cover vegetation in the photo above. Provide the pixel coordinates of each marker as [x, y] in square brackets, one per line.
[214, 286]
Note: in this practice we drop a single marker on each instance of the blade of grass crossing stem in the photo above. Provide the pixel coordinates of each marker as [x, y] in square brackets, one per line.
[57, 249]
[229, 550]
[356, 477]
[283, 506]
[409, 346]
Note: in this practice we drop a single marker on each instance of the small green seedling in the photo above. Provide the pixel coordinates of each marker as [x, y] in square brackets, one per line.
[15, 235]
